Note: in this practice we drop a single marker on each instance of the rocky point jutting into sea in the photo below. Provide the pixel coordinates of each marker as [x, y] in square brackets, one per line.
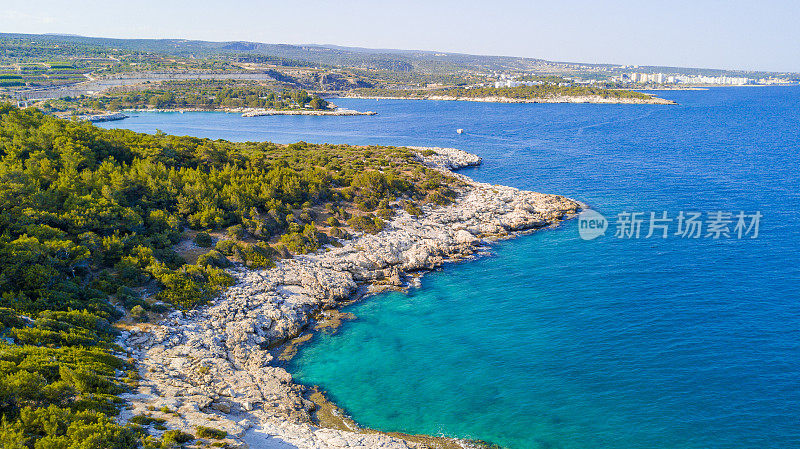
[217, 366]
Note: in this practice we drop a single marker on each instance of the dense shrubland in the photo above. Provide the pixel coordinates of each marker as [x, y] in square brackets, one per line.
[201, 94]
[545, 90]
[91, 222]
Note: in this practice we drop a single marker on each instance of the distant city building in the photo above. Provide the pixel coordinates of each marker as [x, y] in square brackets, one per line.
[662, 78]
[510, 82]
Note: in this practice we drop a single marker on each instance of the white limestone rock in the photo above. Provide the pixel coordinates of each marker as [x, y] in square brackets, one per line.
[212, 364]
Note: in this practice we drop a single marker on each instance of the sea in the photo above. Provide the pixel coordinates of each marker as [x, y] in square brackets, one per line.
[671, 319]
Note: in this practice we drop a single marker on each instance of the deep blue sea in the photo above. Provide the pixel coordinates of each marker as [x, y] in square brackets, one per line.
[557, 342]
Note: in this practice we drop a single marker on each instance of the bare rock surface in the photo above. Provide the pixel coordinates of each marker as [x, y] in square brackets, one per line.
[447, 158]
[212, 366]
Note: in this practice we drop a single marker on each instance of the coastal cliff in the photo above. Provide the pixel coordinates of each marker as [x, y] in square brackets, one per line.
[219, 366]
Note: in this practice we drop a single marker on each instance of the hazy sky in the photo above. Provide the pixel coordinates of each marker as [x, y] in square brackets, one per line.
[733, 34]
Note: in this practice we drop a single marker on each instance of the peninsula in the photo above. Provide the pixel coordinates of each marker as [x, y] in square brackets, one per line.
[249, 98]
[542, 93]
[211, 365]
[181, 271]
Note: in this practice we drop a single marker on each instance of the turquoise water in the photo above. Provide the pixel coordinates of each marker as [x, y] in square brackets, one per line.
[556, 342]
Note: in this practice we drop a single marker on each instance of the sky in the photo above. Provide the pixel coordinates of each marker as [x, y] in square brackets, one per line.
[733, 34]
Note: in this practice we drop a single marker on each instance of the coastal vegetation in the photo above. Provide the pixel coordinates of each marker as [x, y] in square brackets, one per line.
[540, 91]
[198, 94]
[91, 226]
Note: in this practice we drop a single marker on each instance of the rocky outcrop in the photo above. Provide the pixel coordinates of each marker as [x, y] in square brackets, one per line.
[447, 158]
[213, 365]
[333, 112]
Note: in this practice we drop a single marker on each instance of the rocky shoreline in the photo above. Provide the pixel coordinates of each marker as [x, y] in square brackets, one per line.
[219, 366]
[257, 112]
[595, 99]
[333, 112]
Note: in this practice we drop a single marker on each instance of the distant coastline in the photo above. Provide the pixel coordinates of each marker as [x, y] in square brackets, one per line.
[334, 112]
[595, 99]
[257, 112]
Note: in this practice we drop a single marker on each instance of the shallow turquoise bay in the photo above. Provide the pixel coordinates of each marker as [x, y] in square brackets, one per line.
[556, 342]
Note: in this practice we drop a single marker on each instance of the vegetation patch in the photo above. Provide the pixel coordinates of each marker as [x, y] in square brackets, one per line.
[90, 218]
[210, 433]
[540, 91]
[195, 94]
